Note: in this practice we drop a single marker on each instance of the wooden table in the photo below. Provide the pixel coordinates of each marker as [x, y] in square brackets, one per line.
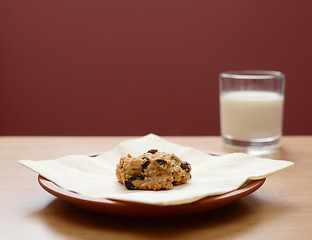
[280, 209]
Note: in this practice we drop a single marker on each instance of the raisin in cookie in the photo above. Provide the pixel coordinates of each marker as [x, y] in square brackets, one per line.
[153, 170]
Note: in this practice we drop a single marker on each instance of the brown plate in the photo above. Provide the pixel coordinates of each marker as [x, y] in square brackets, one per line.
[133, 209]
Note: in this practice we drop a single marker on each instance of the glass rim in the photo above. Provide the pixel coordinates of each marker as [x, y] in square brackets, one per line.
[252, 74]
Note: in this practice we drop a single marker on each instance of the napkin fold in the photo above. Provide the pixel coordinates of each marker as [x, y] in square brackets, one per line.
[211, 175]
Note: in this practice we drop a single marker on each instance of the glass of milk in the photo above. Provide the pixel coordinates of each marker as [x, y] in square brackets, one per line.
[251, 109]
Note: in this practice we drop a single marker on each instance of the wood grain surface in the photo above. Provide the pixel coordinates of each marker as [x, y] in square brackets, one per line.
[280, 209]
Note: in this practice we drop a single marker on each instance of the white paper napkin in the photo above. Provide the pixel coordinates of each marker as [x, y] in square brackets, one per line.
[211, 175]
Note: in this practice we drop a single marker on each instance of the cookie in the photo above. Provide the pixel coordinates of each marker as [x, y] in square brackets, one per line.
[153, 170]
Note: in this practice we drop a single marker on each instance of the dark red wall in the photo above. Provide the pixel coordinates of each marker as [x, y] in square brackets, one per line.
[130, 67]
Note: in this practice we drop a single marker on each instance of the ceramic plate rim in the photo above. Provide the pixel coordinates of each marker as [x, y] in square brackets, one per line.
[136, 209]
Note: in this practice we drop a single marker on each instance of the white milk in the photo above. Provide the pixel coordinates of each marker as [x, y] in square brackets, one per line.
[247, 115]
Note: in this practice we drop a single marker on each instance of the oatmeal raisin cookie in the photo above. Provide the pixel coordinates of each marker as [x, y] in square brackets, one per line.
[153, 170]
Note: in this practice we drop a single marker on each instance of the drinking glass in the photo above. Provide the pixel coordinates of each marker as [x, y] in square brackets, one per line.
[251, 109]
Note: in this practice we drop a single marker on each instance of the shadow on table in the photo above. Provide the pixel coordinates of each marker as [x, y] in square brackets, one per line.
[225, 223]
